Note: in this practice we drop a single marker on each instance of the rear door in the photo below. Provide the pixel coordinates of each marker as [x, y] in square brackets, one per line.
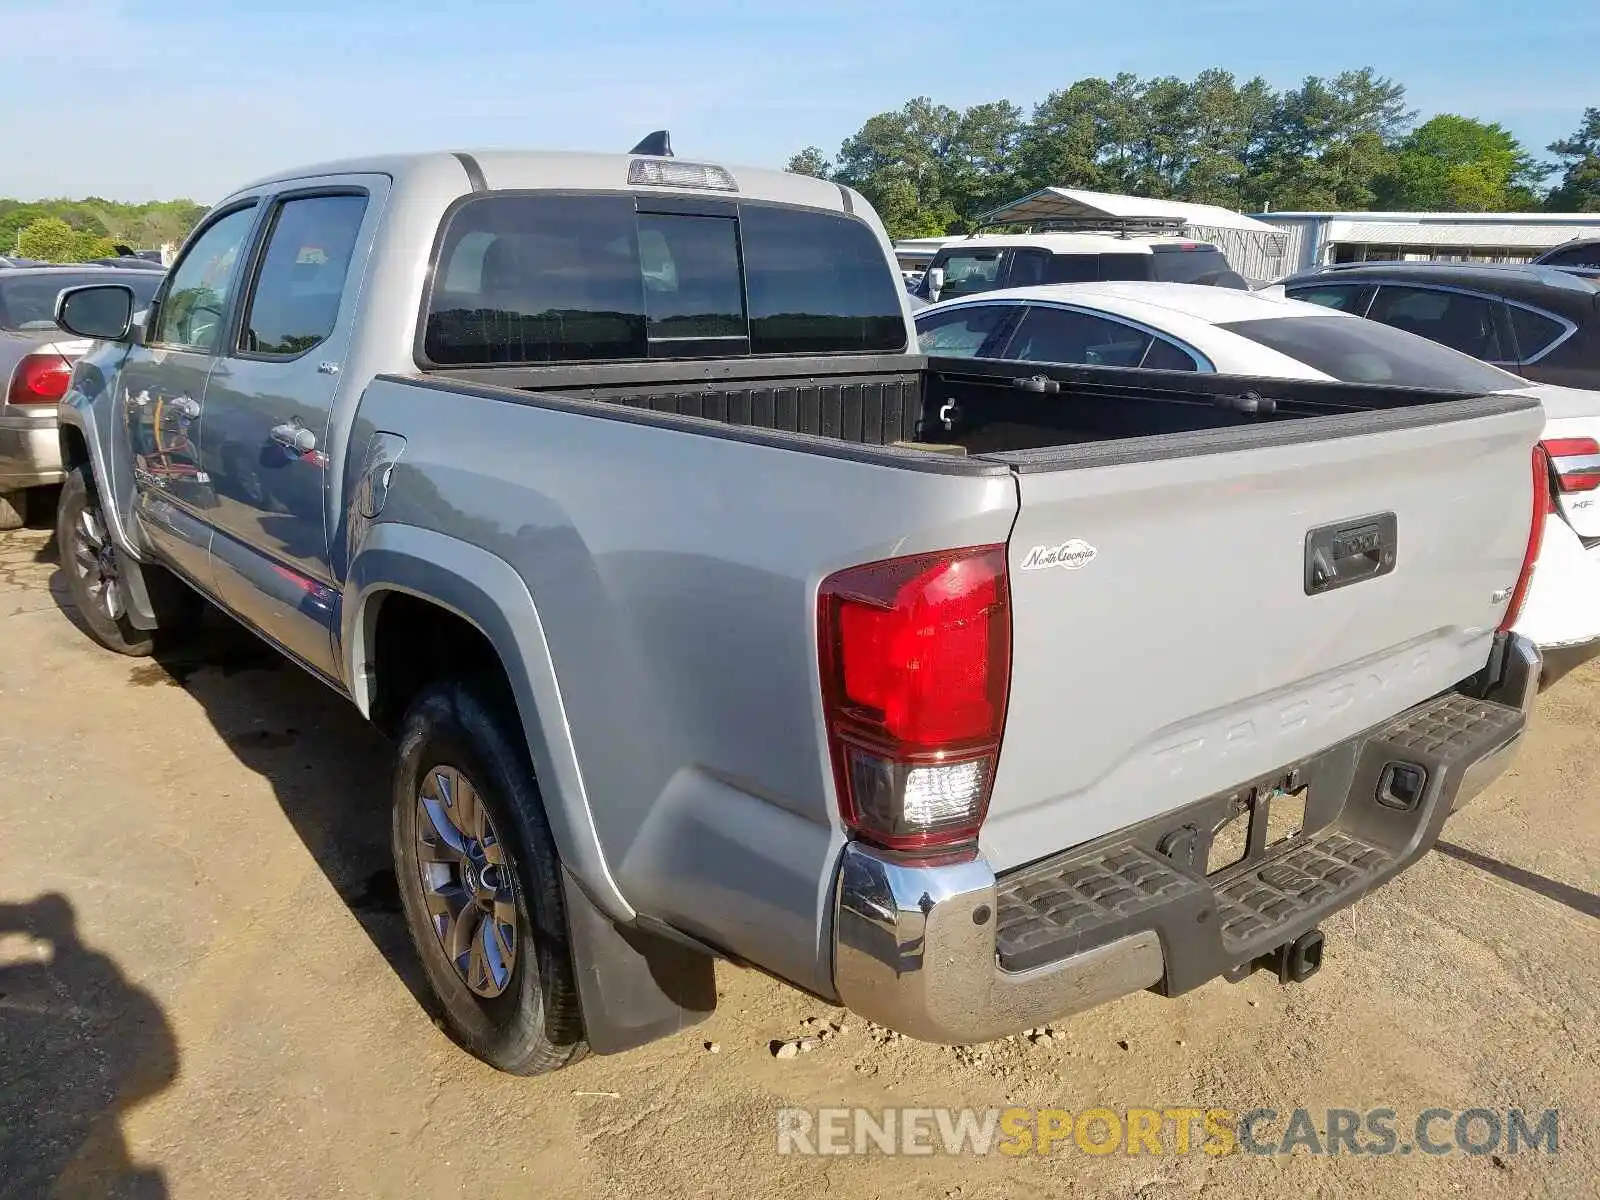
[1170, 640]
[162, 387]
[268, 405]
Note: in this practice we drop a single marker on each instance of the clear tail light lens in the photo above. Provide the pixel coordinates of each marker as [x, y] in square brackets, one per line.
[916, 664]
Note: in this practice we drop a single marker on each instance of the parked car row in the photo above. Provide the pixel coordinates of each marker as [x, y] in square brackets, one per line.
[712, 620]
[997, 261]
[35, 363]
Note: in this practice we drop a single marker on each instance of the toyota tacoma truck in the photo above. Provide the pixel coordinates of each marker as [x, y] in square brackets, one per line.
[612, 487]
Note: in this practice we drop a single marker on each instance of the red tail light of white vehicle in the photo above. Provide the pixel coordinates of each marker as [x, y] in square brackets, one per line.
[1574, 463]
[916, 664]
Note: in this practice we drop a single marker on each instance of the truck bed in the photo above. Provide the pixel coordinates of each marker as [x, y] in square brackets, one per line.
[982, 407]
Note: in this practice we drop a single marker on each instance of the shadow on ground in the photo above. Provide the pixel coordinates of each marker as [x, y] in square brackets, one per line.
[329, 769]
[79, 1046]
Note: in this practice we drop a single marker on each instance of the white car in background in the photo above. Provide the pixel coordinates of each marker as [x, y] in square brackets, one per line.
[1184, 327]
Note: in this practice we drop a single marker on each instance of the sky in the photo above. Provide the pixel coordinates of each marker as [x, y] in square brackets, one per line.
[183, 98]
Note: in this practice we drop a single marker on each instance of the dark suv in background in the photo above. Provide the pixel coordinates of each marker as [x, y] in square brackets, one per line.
[1580, 254]
[1540, 322]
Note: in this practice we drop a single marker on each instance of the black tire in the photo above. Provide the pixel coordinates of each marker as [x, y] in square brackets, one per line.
[177, 608]
[13, 510]
[534, 1025]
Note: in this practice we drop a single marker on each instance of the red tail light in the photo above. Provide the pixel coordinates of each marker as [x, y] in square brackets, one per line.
[40, 378]
[1574, 463]
[1530, 557]
[916, 665]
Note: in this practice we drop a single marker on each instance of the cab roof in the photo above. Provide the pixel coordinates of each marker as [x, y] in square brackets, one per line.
[533, 169]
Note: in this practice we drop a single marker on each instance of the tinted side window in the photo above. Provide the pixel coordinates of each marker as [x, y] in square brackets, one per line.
[200, 284]
[1585, 255]
[1112, 267]
[1356, 351]
[960, 332]
[1464, 323]
[1164, 356]
[818, 284]
[1204, 264]
[1346, 297]
[1074, 268]
[295, 301]
[1028, 268]
[1055, 335]
[1535, 332]
[539, 279]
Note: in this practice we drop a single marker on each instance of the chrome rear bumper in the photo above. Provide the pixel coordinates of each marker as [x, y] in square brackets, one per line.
[924, 948]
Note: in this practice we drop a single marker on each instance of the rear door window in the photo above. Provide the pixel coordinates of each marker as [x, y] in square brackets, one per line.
[295, 301]
[1462, 322]
[1058, 335]
[959, 332]
[1029, 268]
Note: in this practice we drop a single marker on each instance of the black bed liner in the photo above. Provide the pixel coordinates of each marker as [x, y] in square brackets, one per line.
[1032, 416]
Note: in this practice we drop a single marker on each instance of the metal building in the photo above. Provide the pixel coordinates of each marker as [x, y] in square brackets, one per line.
[1318, 238]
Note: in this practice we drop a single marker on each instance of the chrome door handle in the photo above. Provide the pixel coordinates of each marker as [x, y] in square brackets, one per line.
[294, 437]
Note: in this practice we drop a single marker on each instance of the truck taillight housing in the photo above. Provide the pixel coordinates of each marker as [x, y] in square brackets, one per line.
[1574, 463]
[1530, 556]
[39, 378]
[916, 665]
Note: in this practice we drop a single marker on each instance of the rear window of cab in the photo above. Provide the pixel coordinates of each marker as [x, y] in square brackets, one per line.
[531, 278]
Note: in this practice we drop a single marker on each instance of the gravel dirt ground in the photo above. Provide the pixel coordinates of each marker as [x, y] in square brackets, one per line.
[206, 989]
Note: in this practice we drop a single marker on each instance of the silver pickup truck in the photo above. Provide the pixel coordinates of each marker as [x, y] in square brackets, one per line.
[612, 486]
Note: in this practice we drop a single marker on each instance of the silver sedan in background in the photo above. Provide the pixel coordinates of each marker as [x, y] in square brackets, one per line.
[35, 363]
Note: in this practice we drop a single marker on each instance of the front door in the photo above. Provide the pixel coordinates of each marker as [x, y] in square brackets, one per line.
[162, 387]
[268, 407]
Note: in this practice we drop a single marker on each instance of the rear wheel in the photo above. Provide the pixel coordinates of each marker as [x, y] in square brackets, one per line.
[96, 577]
[480, 881]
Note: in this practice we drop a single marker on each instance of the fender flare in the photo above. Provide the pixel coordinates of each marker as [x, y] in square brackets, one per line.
[486, 592]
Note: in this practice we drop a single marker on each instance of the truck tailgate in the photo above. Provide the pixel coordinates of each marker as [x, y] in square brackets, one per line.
[1165, 646]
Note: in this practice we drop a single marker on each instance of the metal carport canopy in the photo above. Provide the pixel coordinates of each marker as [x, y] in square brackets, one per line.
[1058, 204]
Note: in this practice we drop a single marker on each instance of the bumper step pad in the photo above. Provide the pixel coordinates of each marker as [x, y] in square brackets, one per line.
[1123, 884]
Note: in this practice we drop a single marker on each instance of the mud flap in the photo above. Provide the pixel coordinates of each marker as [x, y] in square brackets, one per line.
[634, 986]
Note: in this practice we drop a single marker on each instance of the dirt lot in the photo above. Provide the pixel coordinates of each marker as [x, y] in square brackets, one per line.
[205, 989]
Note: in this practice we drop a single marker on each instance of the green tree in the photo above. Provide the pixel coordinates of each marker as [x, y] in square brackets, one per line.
[899, 162]
[810, 161]
[1328, 142]
[1455, 163]
[51, 239]
[1579, 189]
